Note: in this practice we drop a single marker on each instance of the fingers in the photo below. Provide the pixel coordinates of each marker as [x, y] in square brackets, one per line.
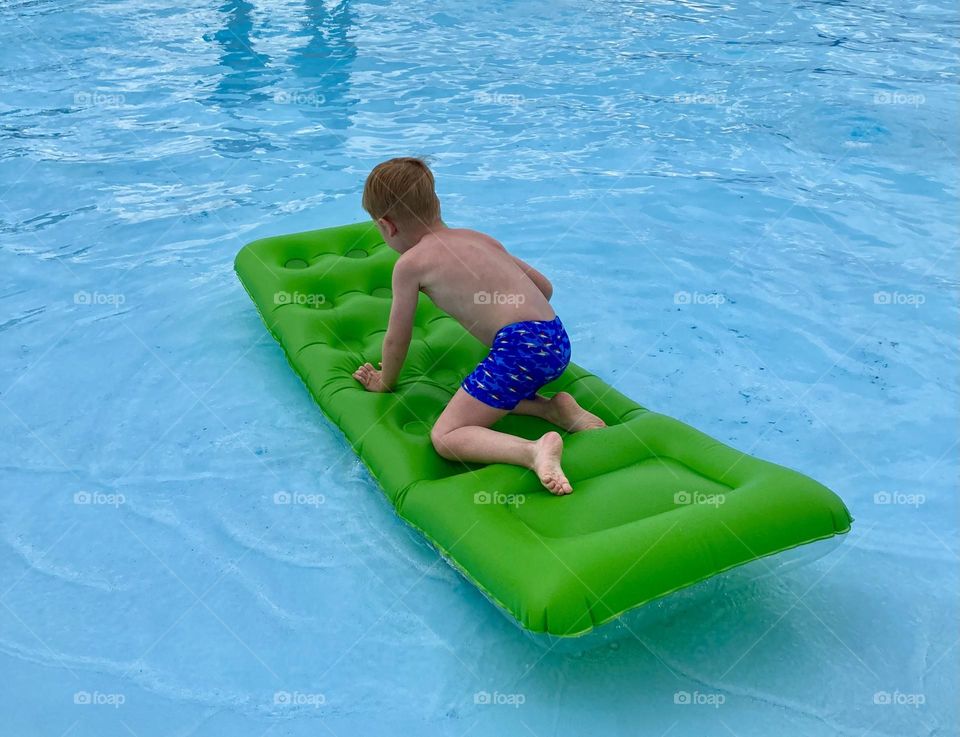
[366, 375]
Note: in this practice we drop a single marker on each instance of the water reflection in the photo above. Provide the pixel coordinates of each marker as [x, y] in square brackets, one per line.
[313, 82]
[246, 71]
[324, 63]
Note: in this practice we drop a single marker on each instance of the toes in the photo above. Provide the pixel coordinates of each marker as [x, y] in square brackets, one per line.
[556, 484]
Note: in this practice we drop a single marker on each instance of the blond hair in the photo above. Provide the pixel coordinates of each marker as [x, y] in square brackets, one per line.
[402, 189]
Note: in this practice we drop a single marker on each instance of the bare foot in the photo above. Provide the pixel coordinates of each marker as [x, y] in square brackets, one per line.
[571, 416]
[546, 464]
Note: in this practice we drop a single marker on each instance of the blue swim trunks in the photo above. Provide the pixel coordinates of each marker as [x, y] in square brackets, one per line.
[524, 356]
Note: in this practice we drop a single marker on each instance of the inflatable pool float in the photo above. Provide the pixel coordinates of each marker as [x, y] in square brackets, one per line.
[658, 506]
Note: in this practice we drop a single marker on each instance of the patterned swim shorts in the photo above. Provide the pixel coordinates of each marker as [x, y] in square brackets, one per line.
[524, 356]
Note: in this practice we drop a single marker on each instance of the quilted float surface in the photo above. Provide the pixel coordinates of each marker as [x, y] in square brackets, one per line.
[657, 505]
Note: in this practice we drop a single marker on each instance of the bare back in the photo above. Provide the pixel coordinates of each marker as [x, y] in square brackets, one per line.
[472, 277]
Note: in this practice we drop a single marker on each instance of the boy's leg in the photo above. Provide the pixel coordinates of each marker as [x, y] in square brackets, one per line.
[562, 410]
[462, 433]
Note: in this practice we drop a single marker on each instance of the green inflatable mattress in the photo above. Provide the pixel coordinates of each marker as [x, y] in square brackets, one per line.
[657, 505]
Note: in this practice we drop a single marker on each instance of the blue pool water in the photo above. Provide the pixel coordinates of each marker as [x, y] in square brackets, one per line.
[748, 211]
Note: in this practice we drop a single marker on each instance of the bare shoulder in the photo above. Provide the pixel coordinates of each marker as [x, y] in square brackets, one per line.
[475, 236]
[410, 266]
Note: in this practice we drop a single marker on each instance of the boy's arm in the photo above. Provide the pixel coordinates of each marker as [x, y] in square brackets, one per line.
[396, 343]
[543, 284]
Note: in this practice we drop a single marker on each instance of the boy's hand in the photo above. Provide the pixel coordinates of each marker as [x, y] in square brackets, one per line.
[371, 378]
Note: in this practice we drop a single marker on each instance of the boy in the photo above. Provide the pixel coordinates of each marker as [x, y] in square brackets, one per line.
[500, 300]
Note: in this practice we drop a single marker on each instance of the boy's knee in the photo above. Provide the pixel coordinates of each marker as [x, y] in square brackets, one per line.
[436, 437]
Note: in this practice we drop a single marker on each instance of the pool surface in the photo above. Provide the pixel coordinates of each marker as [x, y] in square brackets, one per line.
[749, 214]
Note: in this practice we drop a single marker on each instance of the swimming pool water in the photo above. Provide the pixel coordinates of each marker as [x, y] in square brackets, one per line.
[748, 211]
